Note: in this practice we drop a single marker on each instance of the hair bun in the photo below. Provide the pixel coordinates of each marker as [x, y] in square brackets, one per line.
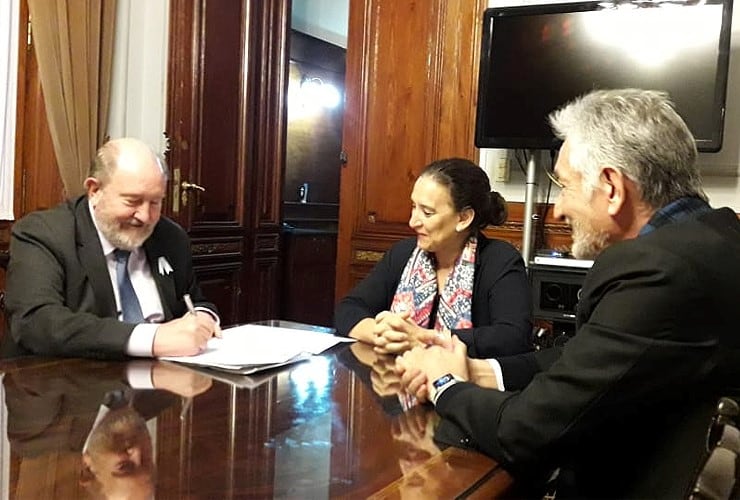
[498, 211]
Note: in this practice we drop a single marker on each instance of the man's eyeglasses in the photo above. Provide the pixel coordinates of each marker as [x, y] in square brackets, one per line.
[553, 178]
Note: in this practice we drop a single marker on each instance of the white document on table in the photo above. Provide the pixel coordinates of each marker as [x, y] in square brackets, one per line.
[248, 349]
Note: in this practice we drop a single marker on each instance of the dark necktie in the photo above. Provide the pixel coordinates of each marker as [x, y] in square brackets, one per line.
[129, 303]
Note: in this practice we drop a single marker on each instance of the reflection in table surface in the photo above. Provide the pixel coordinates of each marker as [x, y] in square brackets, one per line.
[329, 427]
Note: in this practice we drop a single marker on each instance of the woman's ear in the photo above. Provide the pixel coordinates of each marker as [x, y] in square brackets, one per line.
[466, 219]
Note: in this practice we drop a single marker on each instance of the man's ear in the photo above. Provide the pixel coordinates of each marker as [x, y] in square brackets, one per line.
[613, 184]
[466, 219]
[92, 187]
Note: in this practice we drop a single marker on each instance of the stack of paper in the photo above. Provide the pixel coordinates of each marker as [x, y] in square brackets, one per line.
[249, 349]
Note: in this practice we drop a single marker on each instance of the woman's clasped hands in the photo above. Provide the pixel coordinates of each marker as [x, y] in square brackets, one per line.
[396, 333]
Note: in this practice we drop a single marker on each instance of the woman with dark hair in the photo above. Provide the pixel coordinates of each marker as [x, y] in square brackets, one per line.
[449, 278]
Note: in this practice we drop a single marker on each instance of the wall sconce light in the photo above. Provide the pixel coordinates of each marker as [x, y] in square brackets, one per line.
[315, 91]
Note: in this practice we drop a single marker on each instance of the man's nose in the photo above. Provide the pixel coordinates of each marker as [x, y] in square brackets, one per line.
[145, 213]
[134, 454]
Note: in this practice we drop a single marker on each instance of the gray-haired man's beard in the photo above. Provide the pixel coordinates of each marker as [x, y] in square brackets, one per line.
[126, 237]
[587, 242]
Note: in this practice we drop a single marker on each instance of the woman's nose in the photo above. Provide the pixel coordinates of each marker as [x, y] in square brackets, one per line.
[413, 220]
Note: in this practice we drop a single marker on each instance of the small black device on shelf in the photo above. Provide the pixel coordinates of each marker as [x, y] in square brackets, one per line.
[555, 294]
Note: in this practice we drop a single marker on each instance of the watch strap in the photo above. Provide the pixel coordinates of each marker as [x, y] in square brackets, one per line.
[442, 384]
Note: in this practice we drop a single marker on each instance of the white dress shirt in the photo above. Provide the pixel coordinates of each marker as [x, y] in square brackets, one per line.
[141, 341]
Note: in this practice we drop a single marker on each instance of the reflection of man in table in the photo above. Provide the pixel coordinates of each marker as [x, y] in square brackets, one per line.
[86, 427]
[117, 459]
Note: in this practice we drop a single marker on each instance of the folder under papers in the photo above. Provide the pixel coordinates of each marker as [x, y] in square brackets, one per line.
[248, 349]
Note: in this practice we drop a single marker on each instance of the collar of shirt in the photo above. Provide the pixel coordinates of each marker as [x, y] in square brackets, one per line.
[678, 210]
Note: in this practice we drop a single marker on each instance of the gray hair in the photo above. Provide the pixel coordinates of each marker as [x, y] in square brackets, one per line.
[106, 158]
[637, 132]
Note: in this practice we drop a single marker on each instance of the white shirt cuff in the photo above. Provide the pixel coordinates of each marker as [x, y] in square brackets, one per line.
[139, 374]
[496, 367]
[141, 341]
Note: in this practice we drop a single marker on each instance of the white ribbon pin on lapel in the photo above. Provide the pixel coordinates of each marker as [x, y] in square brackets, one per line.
[164, 267]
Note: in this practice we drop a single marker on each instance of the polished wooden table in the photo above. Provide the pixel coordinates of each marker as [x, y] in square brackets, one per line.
[330, 427]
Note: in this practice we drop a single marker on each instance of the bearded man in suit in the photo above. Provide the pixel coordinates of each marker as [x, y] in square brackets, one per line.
[621, 410]
[64, 291]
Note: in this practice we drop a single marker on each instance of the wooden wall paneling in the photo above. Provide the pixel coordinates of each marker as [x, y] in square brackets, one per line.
[38, 184]
[226, 123]
[182, 100]
[457, 78]
[265, 113]
[220, 161]
[220, 283]
[203, 127]
[309, 265]
[556, 232]
[410, 99]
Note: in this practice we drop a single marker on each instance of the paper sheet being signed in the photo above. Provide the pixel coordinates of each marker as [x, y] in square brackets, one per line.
[248, 349]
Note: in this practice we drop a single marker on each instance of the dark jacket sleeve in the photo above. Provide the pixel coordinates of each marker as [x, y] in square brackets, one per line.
[52, 309]
[502, 303]
[636, 346]
[374, 293]
[519, 370]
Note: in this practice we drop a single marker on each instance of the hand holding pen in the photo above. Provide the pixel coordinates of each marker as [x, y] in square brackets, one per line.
[187, 335]
[191, 310]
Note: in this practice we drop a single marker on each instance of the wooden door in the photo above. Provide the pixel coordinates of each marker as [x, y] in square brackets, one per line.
[225, 124]
[411, 90]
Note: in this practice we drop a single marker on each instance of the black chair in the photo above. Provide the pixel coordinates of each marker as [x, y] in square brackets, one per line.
[718, 478]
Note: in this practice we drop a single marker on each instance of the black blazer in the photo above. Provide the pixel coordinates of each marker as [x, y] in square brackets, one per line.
[60, 299]
[502, 302]
[621, 406]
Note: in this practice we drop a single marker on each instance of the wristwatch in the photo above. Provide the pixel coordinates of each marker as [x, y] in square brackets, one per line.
[442, 384]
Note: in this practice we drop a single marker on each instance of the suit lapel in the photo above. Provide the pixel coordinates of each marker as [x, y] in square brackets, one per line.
[92, 260]
[165, 280]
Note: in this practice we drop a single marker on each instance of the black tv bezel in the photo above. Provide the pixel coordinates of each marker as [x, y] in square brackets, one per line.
[711, 144]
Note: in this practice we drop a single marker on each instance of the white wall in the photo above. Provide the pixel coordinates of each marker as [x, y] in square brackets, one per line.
[721, 171]
[9, 17]
[324, 19]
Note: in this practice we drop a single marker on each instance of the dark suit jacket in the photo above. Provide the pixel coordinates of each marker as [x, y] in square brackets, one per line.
[623, 408]
[60, 299]
[502, 303]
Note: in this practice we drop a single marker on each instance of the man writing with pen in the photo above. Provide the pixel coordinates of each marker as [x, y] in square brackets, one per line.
[105, 275]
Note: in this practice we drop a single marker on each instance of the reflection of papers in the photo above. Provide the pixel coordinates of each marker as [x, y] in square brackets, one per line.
[239, 380]
[248, 349]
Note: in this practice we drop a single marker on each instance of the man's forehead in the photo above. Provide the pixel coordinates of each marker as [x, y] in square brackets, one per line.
[562, 156]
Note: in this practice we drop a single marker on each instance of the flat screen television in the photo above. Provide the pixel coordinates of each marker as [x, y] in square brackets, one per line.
[535, 58]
